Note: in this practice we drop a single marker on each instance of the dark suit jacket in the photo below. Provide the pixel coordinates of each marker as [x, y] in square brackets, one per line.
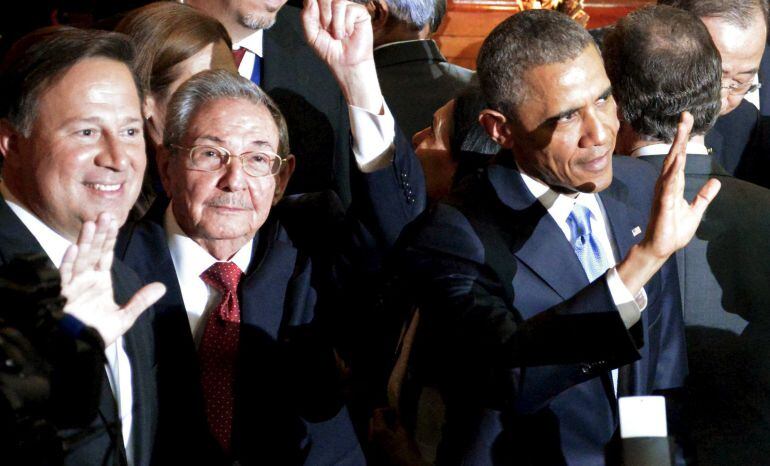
[416, 80]
[288, 404]
[764, 79]
[724, 277]
[100, 448]
[740, 143]
[524, 367]
[313, 105]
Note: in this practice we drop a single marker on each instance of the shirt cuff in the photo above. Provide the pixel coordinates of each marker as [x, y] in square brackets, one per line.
[373, 137]
[630, 307]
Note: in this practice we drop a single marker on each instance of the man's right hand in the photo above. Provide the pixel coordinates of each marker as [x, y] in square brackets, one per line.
[673, 220]
[86, 282]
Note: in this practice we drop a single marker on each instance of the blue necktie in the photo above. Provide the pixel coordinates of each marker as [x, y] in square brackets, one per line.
[585, 245]
[256, 73]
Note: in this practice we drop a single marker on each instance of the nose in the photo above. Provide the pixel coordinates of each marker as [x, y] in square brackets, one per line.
[233, 178]
[419, 137]
[595, 133]
[112, 154]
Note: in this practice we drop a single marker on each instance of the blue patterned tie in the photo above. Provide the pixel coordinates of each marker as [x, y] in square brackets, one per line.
[585, 245]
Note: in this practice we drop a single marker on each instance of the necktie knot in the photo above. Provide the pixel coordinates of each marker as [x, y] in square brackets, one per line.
[224, 276]
[579, 222]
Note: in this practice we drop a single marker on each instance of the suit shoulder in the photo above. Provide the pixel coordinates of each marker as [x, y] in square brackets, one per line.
[444, 230]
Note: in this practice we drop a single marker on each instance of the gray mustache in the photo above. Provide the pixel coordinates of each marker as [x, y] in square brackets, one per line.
[230, 201]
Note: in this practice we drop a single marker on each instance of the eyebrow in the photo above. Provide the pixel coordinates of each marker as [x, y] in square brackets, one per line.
[553, 119]
[98, 120]
[220, 141]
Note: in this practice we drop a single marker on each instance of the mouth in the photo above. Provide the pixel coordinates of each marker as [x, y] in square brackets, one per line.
[104, 187]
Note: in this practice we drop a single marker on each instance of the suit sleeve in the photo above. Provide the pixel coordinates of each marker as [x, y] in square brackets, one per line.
[471, 330]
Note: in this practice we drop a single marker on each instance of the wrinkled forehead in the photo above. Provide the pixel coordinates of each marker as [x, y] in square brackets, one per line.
[239, 123]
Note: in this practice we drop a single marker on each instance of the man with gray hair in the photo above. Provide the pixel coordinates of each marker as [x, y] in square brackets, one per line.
[739, 31]
[542, 298]
[415, 77]
[253, 283]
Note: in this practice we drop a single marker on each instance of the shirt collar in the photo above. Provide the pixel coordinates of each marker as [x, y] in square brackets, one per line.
[52, 242]
[558, 205]
[662, 149]
[190, 259]
[252, 43]
[382, 46]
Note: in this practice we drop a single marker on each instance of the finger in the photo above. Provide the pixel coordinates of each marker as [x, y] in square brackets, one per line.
[310, 17]
[67, 263]
[84, 261]
[108, 248]
[704, 197]
[339, 15]
[141, 301]
[100, 234]
[352, 18]
[325, 13]
[679, 146]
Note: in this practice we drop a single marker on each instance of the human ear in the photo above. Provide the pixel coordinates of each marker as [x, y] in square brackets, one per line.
[498, 127]
[282, 178]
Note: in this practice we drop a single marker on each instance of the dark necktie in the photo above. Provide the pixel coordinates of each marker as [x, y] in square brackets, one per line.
[238, 56]
[218, 351]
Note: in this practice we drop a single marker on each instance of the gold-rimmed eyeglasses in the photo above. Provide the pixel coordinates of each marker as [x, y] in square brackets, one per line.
[213, 158]
[741, 88]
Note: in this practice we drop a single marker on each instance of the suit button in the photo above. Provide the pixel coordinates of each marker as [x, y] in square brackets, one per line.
[586, 368]
[403, 175]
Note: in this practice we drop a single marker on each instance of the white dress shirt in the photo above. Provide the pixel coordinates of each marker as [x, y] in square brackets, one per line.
[559, 207]
[190, 261]
[118, 365]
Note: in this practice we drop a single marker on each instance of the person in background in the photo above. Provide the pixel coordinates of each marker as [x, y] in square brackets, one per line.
[661, 61]
[174, 41]
[415, 77]
[739, 139]
[455, 144]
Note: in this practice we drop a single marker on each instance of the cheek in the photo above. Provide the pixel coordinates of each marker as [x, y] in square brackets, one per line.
[262, 192]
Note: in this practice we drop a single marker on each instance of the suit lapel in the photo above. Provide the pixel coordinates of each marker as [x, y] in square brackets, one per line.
[15, 238]
[263, 290]
[537, 240]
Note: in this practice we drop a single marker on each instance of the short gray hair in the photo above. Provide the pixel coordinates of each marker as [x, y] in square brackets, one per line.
[415, 13]
[524, 41]
[208, 86]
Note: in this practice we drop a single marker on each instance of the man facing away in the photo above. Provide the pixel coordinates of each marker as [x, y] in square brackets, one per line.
[661, 62]
[542, 297]
[73, 148]
[415, 77]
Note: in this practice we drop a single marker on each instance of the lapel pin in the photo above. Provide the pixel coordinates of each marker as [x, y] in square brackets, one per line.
[636, 231]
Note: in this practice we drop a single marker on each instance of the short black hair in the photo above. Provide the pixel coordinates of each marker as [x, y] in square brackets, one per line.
[39, 59]
[467, 133]
[525, 40]
[736, 12]
[661, 61]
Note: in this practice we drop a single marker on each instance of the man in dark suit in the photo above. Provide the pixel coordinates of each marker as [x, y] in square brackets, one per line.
[71, 138]
[541, 298]
[724, 269]
[279, 402]
[271, 50]
[415, 77]
[739, 31]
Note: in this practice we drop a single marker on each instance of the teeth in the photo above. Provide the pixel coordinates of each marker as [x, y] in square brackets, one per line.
[104, 187]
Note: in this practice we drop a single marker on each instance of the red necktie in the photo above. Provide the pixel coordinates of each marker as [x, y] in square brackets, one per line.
[238, 56]
[218, 351]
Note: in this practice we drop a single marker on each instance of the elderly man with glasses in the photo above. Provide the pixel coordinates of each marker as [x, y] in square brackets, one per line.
[739, 138]
[246, 369]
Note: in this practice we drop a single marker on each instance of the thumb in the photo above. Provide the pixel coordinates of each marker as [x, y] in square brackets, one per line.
[141, 301]
[704, 197]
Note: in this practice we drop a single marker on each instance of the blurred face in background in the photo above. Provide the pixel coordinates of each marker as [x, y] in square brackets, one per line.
[433, 149]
